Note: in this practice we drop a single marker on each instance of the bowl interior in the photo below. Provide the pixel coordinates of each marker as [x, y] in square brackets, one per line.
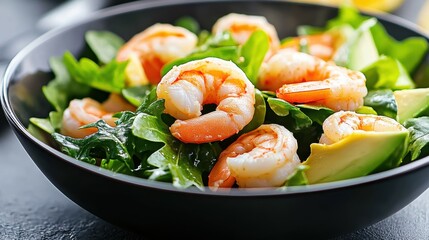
[29, 71]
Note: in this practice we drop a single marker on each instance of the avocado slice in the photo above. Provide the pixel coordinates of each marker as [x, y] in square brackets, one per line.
[357, 155]
[411, 103]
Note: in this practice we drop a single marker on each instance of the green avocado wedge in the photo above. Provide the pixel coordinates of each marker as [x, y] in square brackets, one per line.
[411, 103]
[357, 155]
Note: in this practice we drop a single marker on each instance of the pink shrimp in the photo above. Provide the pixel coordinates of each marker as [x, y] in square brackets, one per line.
[156, 46]
[186, 88]
[301, 78]
[264, 157]
[85, 111]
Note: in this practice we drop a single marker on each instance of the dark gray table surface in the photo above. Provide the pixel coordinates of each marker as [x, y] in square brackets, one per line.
[32, 208]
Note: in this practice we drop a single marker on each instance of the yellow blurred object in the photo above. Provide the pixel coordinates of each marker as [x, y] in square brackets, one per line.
[423, 20]
[134, 73]
[369, 5]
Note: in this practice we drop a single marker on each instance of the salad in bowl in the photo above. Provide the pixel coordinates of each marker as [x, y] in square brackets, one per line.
[238, 106]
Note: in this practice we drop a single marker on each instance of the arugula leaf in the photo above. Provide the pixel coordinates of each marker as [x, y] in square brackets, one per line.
[387, 73]
[104, 44]
[109, 78]
[62, 88]
[251, 60]
[383, 102]
[108, 142]
[419, 137]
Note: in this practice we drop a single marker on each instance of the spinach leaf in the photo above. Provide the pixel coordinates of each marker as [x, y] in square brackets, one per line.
[136, 95]
[226, 53]
[104, 44]
[109, 78]
[252, 54]
[189, 23]
[383, 102]
[282, 108]
[387, 73]
[315, 113]
[419, 137]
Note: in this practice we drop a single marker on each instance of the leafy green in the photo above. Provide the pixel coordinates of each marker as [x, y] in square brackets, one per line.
[189, 23]
[383, 102]
[223, 47]
[104, 44]
[283, 108]
[109, 78]
[136, 95]
[387, 73]
[366, 110]
[251, 60]
[226, 53]
[62, 88]
[408, 52]
[298, 178]
[177, 157]
[259, 115]
[141, 144]
[419, 137]
[316, 113]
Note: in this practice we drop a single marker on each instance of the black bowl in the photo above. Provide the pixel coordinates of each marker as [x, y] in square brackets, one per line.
[160, 210]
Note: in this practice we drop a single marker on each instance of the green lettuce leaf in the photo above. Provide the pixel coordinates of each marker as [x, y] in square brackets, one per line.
[226, 53]
[250, 60]
[387, 73]
[109, 78]
[104, 44]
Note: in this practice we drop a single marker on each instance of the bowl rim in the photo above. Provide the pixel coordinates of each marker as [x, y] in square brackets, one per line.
[162, 186]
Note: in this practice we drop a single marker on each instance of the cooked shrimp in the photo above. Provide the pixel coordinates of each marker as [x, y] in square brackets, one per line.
[319, 45]
[156, 46]
[264, 157]
[85, 111]
[241, 26]
[186, 88]
[301, 78]
[343, 123]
